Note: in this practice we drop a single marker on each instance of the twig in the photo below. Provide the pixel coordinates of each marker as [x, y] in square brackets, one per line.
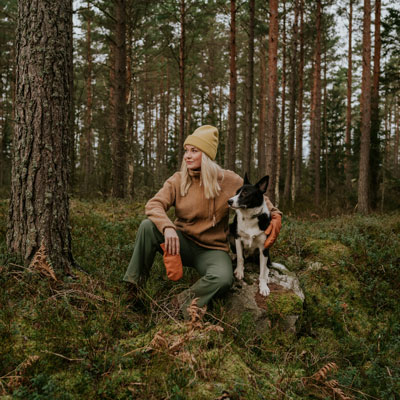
[222, 322]
[359, 391]
[60, 355]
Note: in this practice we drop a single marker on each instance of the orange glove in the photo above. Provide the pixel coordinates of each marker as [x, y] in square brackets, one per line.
[173, 265]
[273, 230]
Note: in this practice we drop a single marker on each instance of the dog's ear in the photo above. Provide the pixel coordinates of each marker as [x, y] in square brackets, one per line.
[262, 184]
[246, 179]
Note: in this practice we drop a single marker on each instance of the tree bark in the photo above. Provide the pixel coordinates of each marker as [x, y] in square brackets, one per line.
[263, 104]
[39, 206]
[365, 105]
[325, 131]
[347, 166]
[315, 124]
[375, 120]
[247, 148]
[292, 107]
[299, 126]
[281, 142]
[271, 136]
[130, 104]
[119, 134]
[86, 153]
[397, 135]
[230, 154]
[181, 82]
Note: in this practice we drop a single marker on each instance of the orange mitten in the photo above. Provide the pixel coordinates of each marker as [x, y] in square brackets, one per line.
[173, 265]
[273, 229]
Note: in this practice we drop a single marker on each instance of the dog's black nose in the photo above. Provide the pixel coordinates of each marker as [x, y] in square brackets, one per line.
[230, 202]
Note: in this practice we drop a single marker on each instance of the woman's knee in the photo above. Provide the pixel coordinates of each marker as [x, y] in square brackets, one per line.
[146, 226]
[223, 279]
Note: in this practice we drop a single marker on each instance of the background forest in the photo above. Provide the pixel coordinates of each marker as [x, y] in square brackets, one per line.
[96, 98]
[211, 62]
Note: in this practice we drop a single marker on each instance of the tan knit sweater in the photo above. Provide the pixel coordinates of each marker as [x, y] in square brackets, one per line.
[203, 221]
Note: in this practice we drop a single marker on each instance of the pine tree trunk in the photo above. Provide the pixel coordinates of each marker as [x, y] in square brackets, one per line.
[397, 136]
[347, 166]
[281, 142]
[325, 132]
[248, 117]
[181, 82]
[315, 124]
[292, 107]
[119, 136]
[188, 110]
[3, 125]
[39, 207]
[271, 136]
[365, 105]
[130, 101]
[146, 126]
[230, 154]
[375, 120]
[166, 127]
[161, 149]
[299, 128]
[263, 105]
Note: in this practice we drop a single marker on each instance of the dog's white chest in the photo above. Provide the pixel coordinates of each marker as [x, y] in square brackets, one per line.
[249, 232]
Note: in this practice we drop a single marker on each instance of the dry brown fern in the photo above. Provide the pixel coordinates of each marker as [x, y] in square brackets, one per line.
[318, 383]
[322, 373]
[159, 342]
[14, 379]
[175, 344]
[39, 263]
[196, 315]
[196, 319]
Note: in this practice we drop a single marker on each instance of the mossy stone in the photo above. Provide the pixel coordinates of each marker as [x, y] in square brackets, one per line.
[327, 250]
[281, 304]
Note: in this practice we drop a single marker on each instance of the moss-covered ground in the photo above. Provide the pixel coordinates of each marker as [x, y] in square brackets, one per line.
[86, 338]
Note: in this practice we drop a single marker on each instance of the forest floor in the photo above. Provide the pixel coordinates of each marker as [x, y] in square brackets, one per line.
[85, 338]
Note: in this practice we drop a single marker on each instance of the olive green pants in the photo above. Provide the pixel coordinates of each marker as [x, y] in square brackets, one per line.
[214, 266]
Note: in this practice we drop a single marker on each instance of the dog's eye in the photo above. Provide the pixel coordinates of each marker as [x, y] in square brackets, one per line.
[244, 191]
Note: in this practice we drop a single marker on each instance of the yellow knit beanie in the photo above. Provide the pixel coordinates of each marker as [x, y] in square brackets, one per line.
[205, 139]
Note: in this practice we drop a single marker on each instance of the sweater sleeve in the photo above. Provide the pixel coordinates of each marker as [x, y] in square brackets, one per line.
[156, 208]
[271, 207]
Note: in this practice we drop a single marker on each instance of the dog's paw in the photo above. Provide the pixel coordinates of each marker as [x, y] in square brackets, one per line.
[264, 289]
[239, 273]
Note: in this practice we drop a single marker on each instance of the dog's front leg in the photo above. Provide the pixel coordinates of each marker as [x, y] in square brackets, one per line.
[264, 272]
[239, 271]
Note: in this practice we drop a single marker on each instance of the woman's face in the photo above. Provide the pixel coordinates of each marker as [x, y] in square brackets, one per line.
[192, 157]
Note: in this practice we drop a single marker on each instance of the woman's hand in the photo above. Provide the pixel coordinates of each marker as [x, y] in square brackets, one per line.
[171, 241]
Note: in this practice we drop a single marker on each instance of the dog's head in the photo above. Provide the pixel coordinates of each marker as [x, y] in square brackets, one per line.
[249, 196]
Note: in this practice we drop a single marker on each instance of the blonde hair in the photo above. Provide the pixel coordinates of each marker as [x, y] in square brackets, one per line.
[208, 177]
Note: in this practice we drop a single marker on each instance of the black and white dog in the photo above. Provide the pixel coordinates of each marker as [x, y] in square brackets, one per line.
[248, 227]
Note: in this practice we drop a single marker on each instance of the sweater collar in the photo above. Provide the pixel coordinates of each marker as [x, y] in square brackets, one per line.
[194, 174]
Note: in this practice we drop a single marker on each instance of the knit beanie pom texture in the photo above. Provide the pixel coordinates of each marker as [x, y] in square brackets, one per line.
[205, 139]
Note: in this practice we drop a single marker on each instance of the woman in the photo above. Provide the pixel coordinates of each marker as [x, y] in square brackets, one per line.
[199, 192]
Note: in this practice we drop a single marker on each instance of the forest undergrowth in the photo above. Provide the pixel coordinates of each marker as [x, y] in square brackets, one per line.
[85, 337]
